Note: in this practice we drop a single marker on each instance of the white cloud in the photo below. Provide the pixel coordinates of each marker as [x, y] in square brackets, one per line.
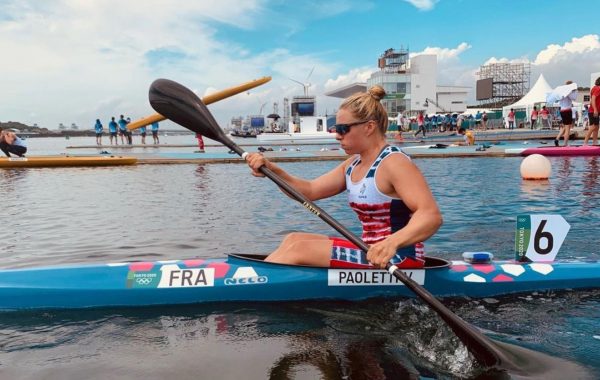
[70, 61]
[355, 75]
[574, 60]
[445, 54]
[505, 60]
[576, 47]
[423, 5]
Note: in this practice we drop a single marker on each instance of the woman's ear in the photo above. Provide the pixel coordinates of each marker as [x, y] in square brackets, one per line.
[371, 127]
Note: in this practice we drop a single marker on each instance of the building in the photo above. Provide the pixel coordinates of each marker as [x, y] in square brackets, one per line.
[411, 85]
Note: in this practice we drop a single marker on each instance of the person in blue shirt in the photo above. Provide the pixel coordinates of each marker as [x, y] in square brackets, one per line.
[11, 143]
[143, 134]
[98, 128]
[129, 133]
[155, 132]
[123, 129]
[478, 119]
[112, 130]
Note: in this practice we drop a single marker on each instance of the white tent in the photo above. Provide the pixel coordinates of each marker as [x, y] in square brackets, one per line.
[535, 96]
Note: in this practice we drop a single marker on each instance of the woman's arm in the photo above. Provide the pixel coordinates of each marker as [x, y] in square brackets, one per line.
[327, 185]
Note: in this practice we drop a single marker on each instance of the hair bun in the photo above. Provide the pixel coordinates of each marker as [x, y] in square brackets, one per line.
[376, 92]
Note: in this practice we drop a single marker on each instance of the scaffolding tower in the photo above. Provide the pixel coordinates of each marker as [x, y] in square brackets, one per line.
[394, 61]
[510, 82]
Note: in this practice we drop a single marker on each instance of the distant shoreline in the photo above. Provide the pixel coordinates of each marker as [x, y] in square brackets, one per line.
[34, 132]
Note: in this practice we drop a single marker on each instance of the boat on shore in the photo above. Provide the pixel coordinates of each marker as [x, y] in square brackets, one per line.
[485, 136]
[571, 150]
[248, 278]
[304, 126]
[65, 161]
[241, 133]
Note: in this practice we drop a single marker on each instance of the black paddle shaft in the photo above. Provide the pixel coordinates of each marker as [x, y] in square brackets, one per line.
[185, 108]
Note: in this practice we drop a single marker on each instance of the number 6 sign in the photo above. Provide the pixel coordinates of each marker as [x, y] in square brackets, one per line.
[539, 237]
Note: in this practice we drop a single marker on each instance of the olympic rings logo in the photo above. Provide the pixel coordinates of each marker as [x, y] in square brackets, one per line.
[143, 280]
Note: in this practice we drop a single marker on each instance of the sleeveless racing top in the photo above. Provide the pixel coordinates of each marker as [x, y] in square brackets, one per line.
[380, 214]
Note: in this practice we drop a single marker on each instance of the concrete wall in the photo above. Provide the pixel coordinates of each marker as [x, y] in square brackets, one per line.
[452, 99]
[423, 71]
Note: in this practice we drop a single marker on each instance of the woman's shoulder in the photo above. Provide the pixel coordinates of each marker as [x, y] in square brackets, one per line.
[394, 155]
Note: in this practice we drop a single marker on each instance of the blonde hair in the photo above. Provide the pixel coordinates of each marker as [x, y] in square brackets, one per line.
[367, 106]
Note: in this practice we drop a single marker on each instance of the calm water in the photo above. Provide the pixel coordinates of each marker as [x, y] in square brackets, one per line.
[179, 211]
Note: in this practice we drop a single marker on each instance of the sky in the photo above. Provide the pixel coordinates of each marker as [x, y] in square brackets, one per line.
[73, 61]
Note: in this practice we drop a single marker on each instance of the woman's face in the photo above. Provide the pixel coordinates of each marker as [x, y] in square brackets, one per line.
[353, 140]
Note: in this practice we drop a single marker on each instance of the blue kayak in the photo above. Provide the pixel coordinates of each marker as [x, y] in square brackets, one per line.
[249, 278]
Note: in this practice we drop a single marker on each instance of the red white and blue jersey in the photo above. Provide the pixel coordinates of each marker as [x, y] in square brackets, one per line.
[380, 214]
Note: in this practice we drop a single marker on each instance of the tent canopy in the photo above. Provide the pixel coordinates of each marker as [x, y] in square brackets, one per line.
[537, 94]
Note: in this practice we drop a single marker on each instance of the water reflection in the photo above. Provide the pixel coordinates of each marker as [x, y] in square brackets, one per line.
[563, 171]
[281, 341]
[10, 180]
[590, 185]
[535, 190]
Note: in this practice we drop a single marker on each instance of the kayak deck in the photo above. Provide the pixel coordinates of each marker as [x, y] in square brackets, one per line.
[248, 278]
[64, 161]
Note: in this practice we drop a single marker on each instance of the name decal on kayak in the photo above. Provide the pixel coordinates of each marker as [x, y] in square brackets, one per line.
[369, 277]
[245, 276]
[172, 276]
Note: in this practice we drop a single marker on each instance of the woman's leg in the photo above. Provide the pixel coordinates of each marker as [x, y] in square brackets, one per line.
[560, 132]
[566, 134]
[303, 249]
[591, 132]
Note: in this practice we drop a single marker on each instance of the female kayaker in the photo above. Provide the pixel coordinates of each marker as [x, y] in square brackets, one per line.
[385, 189]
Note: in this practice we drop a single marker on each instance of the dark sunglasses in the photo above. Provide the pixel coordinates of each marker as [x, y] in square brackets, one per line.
[342, 129]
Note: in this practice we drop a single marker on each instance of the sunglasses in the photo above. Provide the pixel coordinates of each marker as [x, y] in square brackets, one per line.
[342, 129]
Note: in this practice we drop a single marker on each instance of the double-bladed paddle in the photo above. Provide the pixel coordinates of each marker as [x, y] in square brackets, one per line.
[208, 99]
[182, 106]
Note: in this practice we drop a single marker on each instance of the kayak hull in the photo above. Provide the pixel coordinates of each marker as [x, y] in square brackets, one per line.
[248, 279]
[64, 161]
[589, 150]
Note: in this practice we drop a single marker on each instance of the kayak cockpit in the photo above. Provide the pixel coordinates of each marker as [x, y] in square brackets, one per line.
[430, 262]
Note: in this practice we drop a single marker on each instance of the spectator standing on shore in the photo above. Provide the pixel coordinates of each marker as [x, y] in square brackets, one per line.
[566, 115]
[400, 121]
[534, 116]
[11, 143]
[129, 133]
[511, 119]
[478, 119]
[420, 122]
[585, 114]
[154, 127]
[123, 129]
[594, 113]
[484, 119]
[200, 143]
[143, 134]
[112, 130]
[98, 128]
[434, 122]
[545, 115]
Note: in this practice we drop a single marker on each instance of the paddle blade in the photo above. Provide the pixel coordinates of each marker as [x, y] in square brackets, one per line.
[181, 105]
